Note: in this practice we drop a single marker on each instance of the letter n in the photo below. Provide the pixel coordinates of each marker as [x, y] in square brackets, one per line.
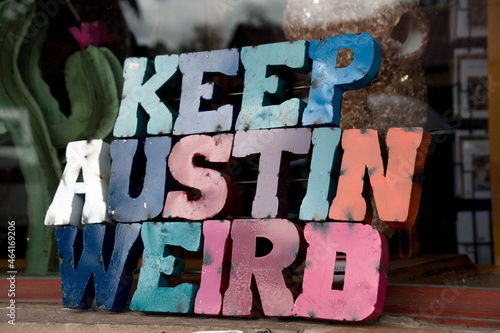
[395, 184]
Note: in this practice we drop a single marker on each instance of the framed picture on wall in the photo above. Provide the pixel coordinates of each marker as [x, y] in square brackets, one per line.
[472, 165]
[476, 167]
[474, 88]
[470, 83]
[468, 19]
[473, 230]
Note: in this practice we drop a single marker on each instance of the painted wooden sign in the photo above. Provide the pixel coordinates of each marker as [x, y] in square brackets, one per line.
[166, 184]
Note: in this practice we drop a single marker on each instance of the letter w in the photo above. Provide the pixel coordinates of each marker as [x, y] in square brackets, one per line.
[98, 263]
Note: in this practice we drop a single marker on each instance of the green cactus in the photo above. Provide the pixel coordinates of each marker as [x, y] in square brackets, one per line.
[31, 116]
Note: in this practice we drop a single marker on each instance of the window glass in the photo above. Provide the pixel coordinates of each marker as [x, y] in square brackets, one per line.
[434, 74]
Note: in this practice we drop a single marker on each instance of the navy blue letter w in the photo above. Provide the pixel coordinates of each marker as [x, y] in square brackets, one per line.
[98, 263]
